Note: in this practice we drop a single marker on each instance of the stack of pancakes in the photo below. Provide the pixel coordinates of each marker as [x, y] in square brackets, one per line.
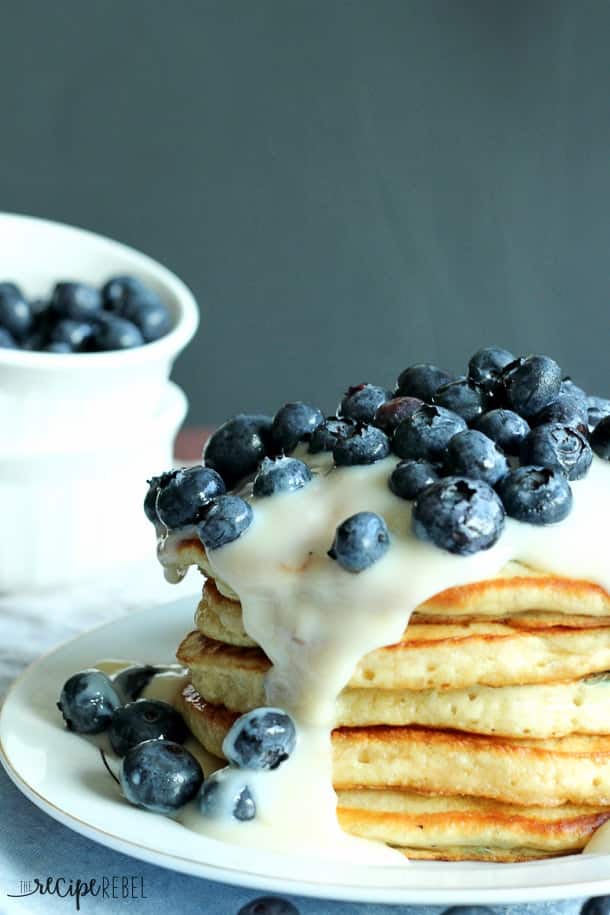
[483, 735]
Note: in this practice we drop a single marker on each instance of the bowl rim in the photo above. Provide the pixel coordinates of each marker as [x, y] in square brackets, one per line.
[187, 320]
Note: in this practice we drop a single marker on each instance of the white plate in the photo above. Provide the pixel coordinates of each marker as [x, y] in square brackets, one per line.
[62, 774]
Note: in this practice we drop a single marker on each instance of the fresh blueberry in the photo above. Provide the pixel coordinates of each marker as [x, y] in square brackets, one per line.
[261, 739]
[76, 301]
[87, 702]
[224, 520]
[114, 333]
[360, 541]
[58, 347]
[281, 474]
[154, 485]
[468, 910]
[237, 447]
[327, 434]
[15, 312]
[220, 795]
[486, 366]
[7, 341]
[130, 682]
[363, 445]
[145, 719]
[597, 409]
[459, 515]
[472, 454]
[597, 905]
[537, 495]
[504, 427]
[272, 905]
[122, 292]
[181, 498]
[562, 448]
[422, 381]
[569, 389]
[152, 318]
[462, 397]
[77, 334]
[530, 384]
[600, 438]
[294, 423]
[361, 402]
[160, 776]
[426, 433]
[567, 410]
[391, 413]
[411, 476]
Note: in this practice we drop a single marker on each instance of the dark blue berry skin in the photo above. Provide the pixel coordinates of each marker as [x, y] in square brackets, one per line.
[282, 474]
[597, 905]
[150, 499]
[422, 381]
[130, 682]
[600, 439]
[562, 448]
[121, 293]
[224, 520]
[294, 423]
[426, 433]
[361, 402]
[391, 413]
[536, 495]
[597, 409]
[360, 541]
[145, 719]
[328, 433]
[237, 447]
[87, 702]
[76, 301]
[472, 454]
[462, 397]
[213, 800]
[530, 384]
[77, 334]
[7, 341]
[460, 515]
[160, 776]
[504, 427]
[272, 905]
[58, 347]
[363, 445]
[261, 739]
[486, 366]
[181, 498]
[567, 410]
[151, 318]
[468, 910]
[115, 333]
[569, 389]
[15, 313]
[411, 476]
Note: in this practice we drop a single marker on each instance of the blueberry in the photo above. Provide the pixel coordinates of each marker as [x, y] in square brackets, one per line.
[119, 293]
[600, 438]
[282, 474]
[237, 447]
[272, 905]
[77, 334]
[76, 301]
[150, 499]
[473, 455]
[7, 341]
[458, 514]
[327, 434]
[58, 347]
[462, 397]
[294, 423]
[530, 384]
[562, 448]
[15, 313]
[152, 318]
[569, 389]
[504, 427]
[362, 401]
[426, 433]
[363, 445]
[87, 702]
[597, 409]
[160, 776]
[114, 333]
[261, 739]
[486, 366]
[468, 910]
[224, 520]
[597, 905]
[220, 796]
[567, 410]
[130, 682]
[145, 719]
[422, 381]
[537, 495]
[411, 476]
[181, 498]
[392, 412]
[360, 541]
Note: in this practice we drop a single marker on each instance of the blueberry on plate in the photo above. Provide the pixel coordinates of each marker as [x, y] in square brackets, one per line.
[57, 347]
[15, 313]
[87, 702]
[273, 905]
[597, 905]
[237, 447]
[360, 541]
[152, 318]
[597, 409]
[160, 776]
[7, 341]
[223, 795]
[422, 381]
[530, 384]
[130, 682]
[472, 454]
[391, 413]
[411, 476]
[568, 388]
[600, 438]
[121, 292]
[426, 433]
[460, 515]
[283, 474]
[115, 333]
[325, 437]
[363, 445]
[155, 484]
[145, 719]
[76, 301]
[224, 519]
[77, 334]
[362, 401]
[485, 367]
[567, 410]
[536, 495]
[563, 448]
[462, 397]
[294, 423]
[181, 498]
[261, 739]
[504, 427]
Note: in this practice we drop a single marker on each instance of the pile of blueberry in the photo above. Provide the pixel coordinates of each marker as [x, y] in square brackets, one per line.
[79, 318]
[505, 439]
[157, 772]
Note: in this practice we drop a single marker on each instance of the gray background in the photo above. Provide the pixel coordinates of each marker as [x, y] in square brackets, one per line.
[348, 187]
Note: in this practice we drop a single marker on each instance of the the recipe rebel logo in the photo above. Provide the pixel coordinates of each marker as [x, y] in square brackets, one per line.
[124, 887]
